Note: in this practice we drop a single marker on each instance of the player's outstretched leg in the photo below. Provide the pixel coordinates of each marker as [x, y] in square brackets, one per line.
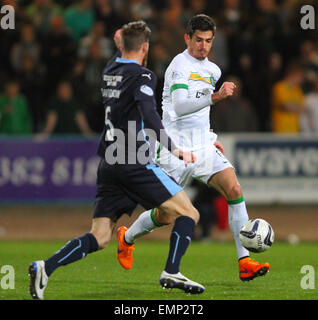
[74, 250]
[180, 239]
[180, 209]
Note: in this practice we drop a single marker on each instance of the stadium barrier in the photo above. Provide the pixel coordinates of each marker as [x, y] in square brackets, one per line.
[271, 168]
[275, 168]
[58, 169]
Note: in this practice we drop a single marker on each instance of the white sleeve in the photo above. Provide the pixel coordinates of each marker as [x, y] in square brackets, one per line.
[184, 105]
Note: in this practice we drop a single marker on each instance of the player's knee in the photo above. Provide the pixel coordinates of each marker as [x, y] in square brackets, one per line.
[165, 219]
[168, 218]
[192, 213]
[234, 192]
[195, 215]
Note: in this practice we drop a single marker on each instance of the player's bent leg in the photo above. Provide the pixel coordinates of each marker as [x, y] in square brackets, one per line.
[227, 184]
[124, 249]
[144, 224]
[126, 238]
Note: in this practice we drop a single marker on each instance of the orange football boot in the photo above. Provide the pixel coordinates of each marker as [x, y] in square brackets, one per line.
[250, 269]
[124, 250]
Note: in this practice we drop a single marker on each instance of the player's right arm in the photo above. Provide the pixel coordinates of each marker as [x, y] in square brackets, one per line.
[183, 104]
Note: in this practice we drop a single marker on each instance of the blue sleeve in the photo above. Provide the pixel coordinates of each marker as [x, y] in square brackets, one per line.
[145, 86]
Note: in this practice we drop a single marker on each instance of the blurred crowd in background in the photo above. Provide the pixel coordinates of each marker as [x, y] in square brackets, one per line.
[51, 64]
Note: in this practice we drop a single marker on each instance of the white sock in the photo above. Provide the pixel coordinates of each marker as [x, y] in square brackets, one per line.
[144, 224]
[238, 216]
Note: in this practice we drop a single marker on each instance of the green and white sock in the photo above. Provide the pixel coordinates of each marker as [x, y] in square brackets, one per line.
[238, 216]
[144, 224]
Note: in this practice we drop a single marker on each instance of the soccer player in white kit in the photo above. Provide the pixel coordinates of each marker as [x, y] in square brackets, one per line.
[189, 91]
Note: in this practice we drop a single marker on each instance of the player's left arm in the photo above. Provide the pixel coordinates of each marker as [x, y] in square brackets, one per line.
[145, 97]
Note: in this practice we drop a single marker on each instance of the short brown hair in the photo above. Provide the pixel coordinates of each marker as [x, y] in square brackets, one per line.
[200, 22]
[134, 34]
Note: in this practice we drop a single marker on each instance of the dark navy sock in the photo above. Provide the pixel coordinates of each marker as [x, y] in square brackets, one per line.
[180, 239]
[74, 250]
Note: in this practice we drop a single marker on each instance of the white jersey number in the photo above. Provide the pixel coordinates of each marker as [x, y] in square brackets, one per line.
[109, 126]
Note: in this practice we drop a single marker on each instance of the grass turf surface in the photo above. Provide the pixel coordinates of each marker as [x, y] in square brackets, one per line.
[99, 275]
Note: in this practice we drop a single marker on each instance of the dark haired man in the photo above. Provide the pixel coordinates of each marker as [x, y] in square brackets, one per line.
[188, 94]
[128, 184]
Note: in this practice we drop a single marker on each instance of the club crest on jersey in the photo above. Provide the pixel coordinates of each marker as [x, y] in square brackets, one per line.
[146, 90]
[177, 75]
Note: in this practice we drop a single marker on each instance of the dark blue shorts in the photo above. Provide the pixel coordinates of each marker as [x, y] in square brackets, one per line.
[120, 188]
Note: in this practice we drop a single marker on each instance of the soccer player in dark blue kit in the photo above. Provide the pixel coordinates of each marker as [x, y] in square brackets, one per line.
[127, 179]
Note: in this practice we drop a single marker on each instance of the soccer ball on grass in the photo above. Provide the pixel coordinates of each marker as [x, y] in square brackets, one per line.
[257, 235]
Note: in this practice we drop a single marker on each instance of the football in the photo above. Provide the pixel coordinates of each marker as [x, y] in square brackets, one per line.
[257, 235]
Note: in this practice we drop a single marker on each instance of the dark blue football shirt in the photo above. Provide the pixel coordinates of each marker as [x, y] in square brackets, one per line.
[128, 91]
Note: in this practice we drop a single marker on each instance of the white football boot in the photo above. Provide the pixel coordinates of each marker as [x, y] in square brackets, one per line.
[38, 279]
[178, 280]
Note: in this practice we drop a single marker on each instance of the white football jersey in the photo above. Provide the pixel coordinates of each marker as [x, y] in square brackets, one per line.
[198, 77]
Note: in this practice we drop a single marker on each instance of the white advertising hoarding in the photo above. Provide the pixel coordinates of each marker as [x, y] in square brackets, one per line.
[275, 168]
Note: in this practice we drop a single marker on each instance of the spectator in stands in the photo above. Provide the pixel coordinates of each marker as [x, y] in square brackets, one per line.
[288, 101]
[170, 31]
[139, 10]
[94, 66]
[220, 52]
[79, 18]
[159, 63]
[230, 18]
[27, 45]
[309, 62]
[58, 53]
[65, 114]
[41, 13]
[77, 79]
[309, 118]
[268, 74]
[8, 38]
[234, 114]
[15, 117]
[32, 80]
[105, 11]
[97, 35]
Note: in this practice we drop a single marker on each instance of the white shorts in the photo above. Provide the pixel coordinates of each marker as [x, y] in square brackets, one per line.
[209, 161]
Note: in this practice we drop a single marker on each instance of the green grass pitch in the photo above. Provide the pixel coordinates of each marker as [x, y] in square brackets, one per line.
[99, 275]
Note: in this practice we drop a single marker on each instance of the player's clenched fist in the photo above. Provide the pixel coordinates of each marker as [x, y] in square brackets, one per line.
[227, 90]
